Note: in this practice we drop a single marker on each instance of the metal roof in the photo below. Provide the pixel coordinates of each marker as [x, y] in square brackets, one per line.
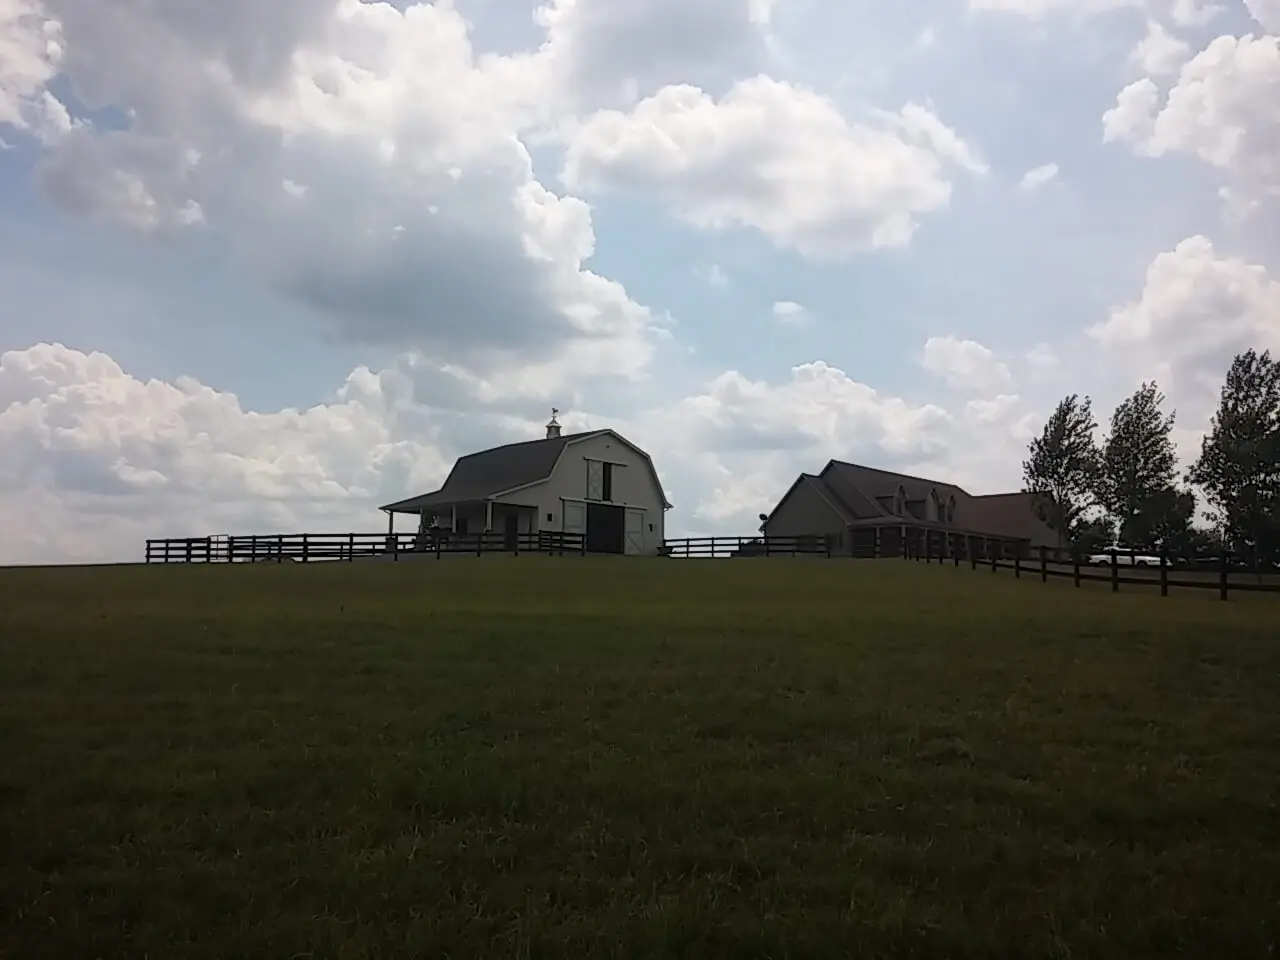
[479, 476]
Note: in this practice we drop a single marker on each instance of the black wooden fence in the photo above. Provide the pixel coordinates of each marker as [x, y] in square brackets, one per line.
[318, 547]
[1222, 573]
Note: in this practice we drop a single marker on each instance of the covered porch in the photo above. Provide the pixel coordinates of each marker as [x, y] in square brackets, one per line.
[879, 538]
[445, 519]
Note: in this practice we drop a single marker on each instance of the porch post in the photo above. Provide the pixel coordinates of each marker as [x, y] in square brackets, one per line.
[391, 523]
[488, 515]
[454, 526]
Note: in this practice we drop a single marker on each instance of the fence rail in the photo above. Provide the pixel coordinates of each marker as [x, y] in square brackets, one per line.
[319, 547]
[1202, 574]
[720, 547]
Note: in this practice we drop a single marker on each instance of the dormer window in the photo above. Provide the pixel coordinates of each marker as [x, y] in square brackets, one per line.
[900, 503]
[951, 509]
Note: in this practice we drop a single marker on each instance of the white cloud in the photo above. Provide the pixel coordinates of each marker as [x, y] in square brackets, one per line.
[715, 276]
[605, 53]
[965, 364]
[358, 158]
[95, 460]
[1196, 310]
[745, 440]
[776, 158]
[112, 459]
[1266, 12]
[1042, 357]
[790, 312]
[1037, 177]
[31, 52]
[1220, 110]
[1160, 52]
[1040, 9]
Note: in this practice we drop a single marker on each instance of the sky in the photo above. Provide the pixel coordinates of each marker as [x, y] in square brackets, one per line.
[264, 267]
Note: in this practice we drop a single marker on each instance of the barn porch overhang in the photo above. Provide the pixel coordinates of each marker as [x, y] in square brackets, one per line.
[443, 512]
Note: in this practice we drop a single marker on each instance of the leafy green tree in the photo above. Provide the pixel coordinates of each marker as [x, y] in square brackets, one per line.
[1092, 536]
[1139, 465]
[1163, 521]
[1062, 466]
[1239, 464]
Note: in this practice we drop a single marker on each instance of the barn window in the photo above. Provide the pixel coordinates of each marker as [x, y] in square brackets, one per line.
[606, 483]
[550, 517]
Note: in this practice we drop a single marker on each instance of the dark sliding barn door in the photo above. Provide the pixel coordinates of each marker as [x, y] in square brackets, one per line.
[606, 526]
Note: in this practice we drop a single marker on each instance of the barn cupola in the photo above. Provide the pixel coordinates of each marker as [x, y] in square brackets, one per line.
[553, 426]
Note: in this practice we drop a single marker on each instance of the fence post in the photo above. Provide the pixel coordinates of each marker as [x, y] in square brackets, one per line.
[1115, 571]
[1017, 565]
[829, 546]
[1164, 573]
[306, 547]
[479, 543]
[395, 548]
[1044, 567]
[955, 552]
[582, 545]
[351, 547]
[973, 554]
[1222, 577]
[995, 565]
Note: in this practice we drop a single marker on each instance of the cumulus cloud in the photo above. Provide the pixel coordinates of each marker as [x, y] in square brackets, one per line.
[104, 451]
[1196, 310]
[1220, 109]
[97, 460]
[1160, 52]
[965, 364]
[360, 158]
[603, 53]
[776, 158]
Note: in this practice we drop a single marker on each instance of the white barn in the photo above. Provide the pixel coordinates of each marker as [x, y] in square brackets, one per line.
[596, 483]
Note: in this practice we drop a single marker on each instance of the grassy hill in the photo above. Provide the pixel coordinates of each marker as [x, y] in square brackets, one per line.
[537, 756]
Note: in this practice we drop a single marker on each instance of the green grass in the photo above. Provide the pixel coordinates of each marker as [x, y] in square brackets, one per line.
[534, 757]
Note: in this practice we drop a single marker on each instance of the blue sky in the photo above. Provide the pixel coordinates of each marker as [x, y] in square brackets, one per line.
[426, 225]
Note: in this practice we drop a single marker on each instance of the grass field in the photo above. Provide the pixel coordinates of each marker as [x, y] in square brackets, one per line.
[534, 757]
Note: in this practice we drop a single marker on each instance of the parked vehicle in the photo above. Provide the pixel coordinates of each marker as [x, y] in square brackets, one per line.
[1124, 558]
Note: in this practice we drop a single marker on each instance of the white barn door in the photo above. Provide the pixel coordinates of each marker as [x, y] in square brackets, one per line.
[575, 517]
[595, 480]
[635, 531]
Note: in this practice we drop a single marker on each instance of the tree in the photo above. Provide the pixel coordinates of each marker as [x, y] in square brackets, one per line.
[1239, 464]
[1062, 466]
[1163, 521]
[1092, 536]
[1138, 474]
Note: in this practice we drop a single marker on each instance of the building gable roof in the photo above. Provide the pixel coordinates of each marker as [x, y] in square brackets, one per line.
[873, 484]
[490, 473]
[862, 495]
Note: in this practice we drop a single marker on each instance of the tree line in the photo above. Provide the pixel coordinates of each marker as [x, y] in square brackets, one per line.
[1127, 490]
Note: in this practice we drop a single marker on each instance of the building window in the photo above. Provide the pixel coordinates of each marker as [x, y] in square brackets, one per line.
[606, 483]
[550, 517]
